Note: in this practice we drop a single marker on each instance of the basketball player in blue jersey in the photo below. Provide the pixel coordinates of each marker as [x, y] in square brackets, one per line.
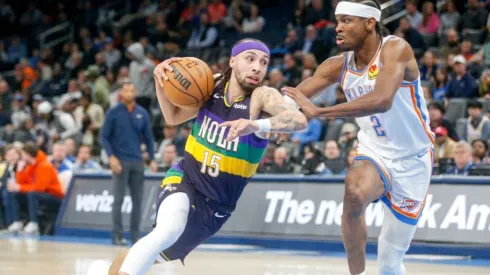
[222, 153]
[381, 81]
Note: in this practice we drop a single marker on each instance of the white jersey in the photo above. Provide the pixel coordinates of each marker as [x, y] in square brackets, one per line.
[402, 131]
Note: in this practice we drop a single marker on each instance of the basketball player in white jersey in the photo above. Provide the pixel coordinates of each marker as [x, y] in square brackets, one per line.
[380, 78]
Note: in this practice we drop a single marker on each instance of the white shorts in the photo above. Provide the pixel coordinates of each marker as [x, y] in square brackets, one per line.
[406, 182]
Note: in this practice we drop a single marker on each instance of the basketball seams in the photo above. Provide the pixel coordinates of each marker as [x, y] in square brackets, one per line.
[207, 84]
[197, 84]
[183, 92]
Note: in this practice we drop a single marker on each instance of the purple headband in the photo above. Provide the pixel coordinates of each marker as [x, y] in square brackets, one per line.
[249, 45]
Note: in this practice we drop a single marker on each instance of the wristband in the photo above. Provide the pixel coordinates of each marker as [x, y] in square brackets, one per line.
[264, 125]
[290, 101]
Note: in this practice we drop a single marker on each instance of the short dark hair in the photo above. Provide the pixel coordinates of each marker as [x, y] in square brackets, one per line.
[31, 148]
[437, 105]
[485, 144]
[474, 103]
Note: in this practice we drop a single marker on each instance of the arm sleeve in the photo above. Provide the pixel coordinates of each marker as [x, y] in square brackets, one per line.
[106, 135]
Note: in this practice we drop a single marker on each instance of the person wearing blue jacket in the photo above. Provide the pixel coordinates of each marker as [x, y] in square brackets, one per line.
[126, 126]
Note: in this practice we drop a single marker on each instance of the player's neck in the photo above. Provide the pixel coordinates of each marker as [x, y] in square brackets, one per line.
[233, 92]
[363, 56]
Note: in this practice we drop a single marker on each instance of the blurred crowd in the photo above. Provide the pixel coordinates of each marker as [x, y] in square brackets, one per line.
[55, 98]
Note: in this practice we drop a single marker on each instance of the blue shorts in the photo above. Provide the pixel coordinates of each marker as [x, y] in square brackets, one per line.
[206, 217]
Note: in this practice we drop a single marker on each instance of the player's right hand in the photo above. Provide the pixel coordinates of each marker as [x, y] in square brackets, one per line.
[160, 70]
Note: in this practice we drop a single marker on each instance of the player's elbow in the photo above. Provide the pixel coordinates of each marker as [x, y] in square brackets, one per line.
[384, 105]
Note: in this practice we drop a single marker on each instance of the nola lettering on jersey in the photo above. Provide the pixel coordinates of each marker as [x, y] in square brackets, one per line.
[358, 91]
[212, 133]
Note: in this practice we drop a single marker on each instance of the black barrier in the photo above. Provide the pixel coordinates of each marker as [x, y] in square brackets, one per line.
[457, 209]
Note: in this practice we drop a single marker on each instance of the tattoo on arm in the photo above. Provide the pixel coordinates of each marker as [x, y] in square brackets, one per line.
[284, 117]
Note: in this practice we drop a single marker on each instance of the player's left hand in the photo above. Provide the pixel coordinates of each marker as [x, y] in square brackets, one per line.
[240, 127]
[308, 108]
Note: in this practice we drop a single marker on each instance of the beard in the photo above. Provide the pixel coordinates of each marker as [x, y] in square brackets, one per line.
[248, 88]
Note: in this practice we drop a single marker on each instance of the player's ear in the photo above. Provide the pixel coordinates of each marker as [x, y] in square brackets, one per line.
[232, 62]
[370, 24]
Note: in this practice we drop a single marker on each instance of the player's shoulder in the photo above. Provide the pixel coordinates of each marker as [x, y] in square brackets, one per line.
[334, 61]
[394, 47]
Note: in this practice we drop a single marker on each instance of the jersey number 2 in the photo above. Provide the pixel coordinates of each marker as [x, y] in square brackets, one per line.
[378, 128]
[213, 168]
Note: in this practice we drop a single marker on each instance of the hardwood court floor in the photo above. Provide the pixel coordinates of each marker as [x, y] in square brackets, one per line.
[30, 256]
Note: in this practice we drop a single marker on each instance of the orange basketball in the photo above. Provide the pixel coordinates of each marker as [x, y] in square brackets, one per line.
[190, 84]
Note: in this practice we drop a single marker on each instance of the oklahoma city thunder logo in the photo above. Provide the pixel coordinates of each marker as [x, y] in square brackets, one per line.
[409, 204]
[373, 72]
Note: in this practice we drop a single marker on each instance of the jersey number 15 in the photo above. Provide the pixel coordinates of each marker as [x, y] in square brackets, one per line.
[378, 128]
[213, 168]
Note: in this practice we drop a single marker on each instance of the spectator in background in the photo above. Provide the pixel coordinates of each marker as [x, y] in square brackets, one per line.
[99, 85]
[216, 11]
[444, 146]
[414, 16]
[474, 18]
[429, 67]
[17, 50]
[122, 133]
[6, 97]
[36, 185]
[348, 138]
[276, 79]
[440, 84]
[20, 111]
[312, 133]
[430, 21]
[291, 70]
[315, 12]
[312, 163]
[203, 35]
[452, 44]
[436, 116]
[463, 158]
[449, 19]
[171, 136]
[12, 157]
[410, 34]
[333, 158]
[112, 55]
[84, 162]
[70, 149]
[169, 158]
[477, 125]
[463, 85]
[89, 118]
[480, 149]
[62, 164]
[141, 75]
[485, 84]
[313, 44]
[58, 124]
[253, 23]
[281, 164]
[466, 50]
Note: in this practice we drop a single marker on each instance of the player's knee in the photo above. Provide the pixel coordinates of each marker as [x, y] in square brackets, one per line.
[354, 200]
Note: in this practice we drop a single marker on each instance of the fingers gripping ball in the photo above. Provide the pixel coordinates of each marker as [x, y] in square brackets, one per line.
[190, 83]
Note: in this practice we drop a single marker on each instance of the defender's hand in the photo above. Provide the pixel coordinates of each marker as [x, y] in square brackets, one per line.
[240, 127]
[308, 108]
[160, 73]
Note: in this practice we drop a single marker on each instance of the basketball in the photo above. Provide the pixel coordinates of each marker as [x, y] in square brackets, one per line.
[190, 84]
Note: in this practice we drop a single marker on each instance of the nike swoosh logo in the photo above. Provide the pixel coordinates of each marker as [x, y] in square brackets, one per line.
[421, 155]
[217, 215]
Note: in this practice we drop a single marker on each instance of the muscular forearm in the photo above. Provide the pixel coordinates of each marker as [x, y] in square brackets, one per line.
[288, 122]
[364, 106]
[173, 115]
